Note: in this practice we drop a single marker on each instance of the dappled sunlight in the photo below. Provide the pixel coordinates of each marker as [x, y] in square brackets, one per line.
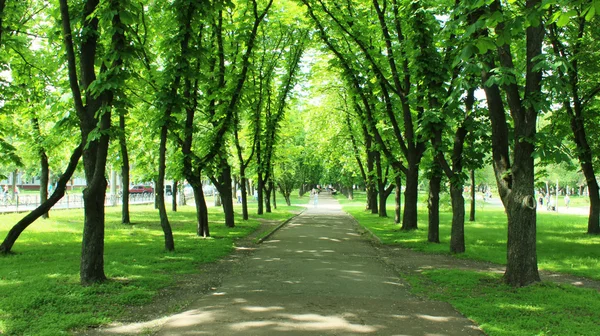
[255, 309]
[137, 328]
[521, 307]
[331, 239]
[10, 283]
[192, 318]
[434, 318]
[309, 322]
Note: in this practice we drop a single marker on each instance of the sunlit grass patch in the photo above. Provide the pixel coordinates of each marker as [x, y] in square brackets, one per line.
[540, 309]
[562, 244]
[42, 278]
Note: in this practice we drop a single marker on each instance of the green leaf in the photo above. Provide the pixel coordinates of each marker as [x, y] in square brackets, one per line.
[590, 13]
[467, 52]
[126, 18]
[564, 18]
[484, 45]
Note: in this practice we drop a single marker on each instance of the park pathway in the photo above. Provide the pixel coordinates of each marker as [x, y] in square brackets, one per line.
[316, 276]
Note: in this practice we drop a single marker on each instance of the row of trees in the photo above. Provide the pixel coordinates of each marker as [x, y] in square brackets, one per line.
[201, 90]
[411, 72]
[184, 89]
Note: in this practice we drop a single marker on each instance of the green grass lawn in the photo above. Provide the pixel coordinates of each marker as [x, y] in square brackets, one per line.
[40, 292]
[540, 309]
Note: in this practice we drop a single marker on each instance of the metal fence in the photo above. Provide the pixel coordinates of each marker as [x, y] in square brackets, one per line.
[22, 203]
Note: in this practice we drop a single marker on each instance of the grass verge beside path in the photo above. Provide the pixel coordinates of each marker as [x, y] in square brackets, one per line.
[540, 309]
[39, 285]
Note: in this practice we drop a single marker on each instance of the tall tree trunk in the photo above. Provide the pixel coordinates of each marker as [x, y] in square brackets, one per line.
[398, 198]
[44, 165]
[201, 210]
[260, 188]
[125, 219]
[382, 197]
[409, 220]
[472, 213]
[226, 194]
[268, 191]
[457, 237]
[585, 158]
[274, 192]
[44, 177]
[174, 195]
[92, 254]
[433, 204]
[160, 188]
[515, 182]
[243, 186]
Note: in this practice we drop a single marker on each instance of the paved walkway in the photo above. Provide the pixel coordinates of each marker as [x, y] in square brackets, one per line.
[316, 276]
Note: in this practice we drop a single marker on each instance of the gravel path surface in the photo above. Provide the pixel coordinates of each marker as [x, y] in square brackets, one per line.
[315, 276]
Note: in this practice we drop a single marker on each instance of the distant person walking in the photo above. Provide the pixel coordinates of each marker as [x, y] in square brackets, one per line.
[567, 200]
[315, 195]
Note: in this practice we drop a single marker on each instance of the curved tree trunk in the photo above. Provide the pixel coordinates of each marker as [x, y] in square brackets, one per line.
[59, 192]
[44, 165]
[160, 188]
[585, 159]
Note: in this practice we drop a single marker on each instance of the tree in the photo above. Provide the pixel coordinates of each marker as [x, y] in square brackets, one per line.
[393, 78]
[94, 113]
[575, 67]
[515, 179]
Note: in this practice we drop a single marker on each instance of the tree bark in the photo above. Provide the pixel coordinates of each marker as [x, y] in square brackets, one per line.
[411, 193]
[398, 199]
[274, 192]
[457, 237]
[381, 192]
[268, 191]
[226, 195]
[244, 182]
[515, 183]
[223, 184]
[44, 177]
[472, 213]
[174, 195]
[201, 210]
[44, 165]
[160, 188]
[574, 106]
[125, 218]
[260, 188]
[433, 204]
